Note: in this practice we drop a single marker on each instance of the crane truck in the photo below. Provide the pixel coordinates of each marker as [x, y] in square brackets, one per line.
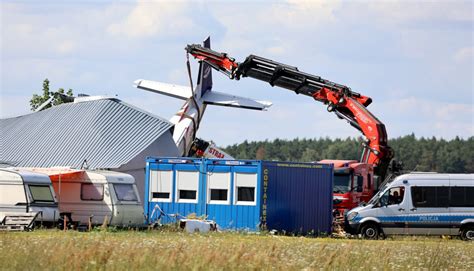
[354, 181]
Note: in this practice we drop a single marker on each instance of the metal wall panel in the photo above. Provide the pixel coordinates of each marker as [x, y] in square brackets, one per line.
[299, 196]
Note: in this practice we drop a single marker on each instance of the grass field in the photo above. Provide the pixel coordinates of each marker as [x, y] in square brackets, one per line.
[164, 250]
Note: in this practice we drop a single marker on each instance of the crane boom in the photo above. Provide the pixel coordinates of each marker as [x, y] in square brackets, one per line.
[340, 99]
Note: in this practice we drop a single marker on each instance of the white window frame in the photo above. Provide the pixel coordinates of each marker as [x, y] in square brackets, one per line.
[227, 176]
[245, 183]
[159, 178]
[178, 177]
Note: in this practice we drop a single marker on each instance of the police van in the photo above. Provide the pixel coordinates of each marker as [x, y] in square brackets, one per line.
[418, 203]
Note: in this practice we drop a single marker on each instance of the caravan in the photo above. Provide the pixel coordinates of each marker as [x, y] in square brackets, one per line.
[96, 196]
[23, 191]
[418, 203]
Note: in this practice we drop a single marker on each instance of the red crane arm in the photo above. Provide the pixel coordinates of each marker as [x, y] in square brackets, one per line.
[341, 100]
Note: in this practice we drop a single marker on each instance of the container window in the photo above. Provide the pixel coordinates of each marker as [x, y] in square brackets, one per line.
[245, 188]
[246, 194]
[187, 194]
[41, 193]
[187, 183]
[125, 192]
[160, 185]
[92, 192]
[219, 194]
[219, 188]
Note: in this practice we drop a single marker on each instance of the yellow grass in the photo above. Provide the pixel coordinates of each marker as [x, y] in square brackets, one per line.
[165, 250]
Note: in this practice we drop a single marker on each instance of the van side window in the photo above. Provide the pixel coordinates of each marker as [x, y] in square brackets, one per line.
[430, 197]
[393, 196]
[462, 197]
[92, 191]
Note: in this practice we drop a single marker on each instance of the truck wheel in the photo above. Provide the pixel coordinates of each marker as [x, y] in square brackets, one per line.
[467, 233]
[370, 231]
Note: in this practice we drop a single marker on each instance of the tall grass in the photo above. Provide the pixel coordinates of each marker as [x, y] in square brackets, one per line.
[169, 250]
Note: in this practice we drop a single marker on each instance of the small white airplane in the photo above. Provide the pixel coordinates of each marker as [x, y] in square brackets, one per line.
[186, 121]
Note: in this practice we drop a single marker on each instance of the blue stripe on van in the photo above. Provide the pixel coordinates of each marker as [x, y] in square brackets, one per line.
[420, 218]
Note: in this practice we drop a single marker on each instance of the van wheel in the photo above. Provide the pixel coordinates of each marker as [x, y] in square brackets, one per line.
[467, 233]
[370, 231]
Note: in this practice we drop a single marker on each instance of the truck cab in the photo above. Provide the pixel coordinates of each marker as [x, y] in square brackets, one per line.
[353, 183]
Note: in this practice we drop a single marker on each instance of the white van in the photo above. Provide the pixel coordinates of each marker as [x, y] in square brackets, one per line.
[23, 191]
[97, 195]
[418, 203]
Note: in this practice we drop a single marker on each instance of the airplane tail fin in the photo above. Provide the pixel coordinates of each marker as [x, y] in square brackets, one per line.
[204, 83]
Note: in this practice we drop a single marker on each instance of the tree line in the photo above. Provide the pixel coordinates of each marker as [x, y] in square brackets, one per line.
[420, 154]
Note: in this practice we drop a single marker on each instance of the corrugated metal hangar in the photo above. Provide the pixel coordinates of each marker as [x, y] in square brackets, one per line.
[97, 132]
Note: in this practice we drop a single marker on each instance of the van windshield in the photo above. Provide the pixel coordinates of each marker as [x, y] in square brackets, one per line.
[125, 192]
[41, 193]
[342, 183]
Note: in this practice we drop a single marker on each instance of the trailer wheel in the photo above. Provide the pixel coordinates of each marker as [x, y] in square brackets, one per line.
[370, 231]
[467, 233]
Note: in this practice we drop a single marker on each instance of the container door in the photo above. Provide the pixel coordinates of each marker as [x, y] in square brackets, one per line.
[218, 180]
[245, 193]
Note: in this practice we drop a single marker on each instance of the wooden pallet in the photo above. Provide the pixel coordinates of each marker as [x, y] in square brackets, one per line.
[18, 222]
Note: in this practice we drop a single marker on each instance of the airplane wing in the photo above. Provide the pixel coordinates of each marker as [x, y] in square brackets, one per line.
[175, 91]
[222, 99]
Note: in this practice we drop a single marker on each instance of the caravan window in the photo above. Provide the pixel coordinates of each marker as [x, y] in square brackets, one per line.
[160, 185]
[125, 192]
[41, 193]
[187, 183]
[92, 191]
[245, 188]
[218, 188]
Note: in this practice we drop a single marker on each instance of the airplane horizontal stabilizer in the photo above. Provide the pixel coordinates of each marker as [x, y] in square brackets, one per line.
[222, 99]
[175, 91]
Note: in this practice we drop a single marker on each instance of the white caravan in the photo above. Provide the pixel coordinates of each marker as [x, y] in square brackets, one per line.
[418, 203]
[97, 196]
[24, 191]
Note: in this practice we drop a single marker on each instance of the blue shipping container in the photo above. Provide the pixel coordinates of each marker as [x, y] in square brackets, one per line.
[241, 194]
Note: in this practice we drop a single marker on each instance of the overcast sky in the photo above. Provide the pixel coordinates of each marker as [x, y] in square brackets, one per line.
[414, 58]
